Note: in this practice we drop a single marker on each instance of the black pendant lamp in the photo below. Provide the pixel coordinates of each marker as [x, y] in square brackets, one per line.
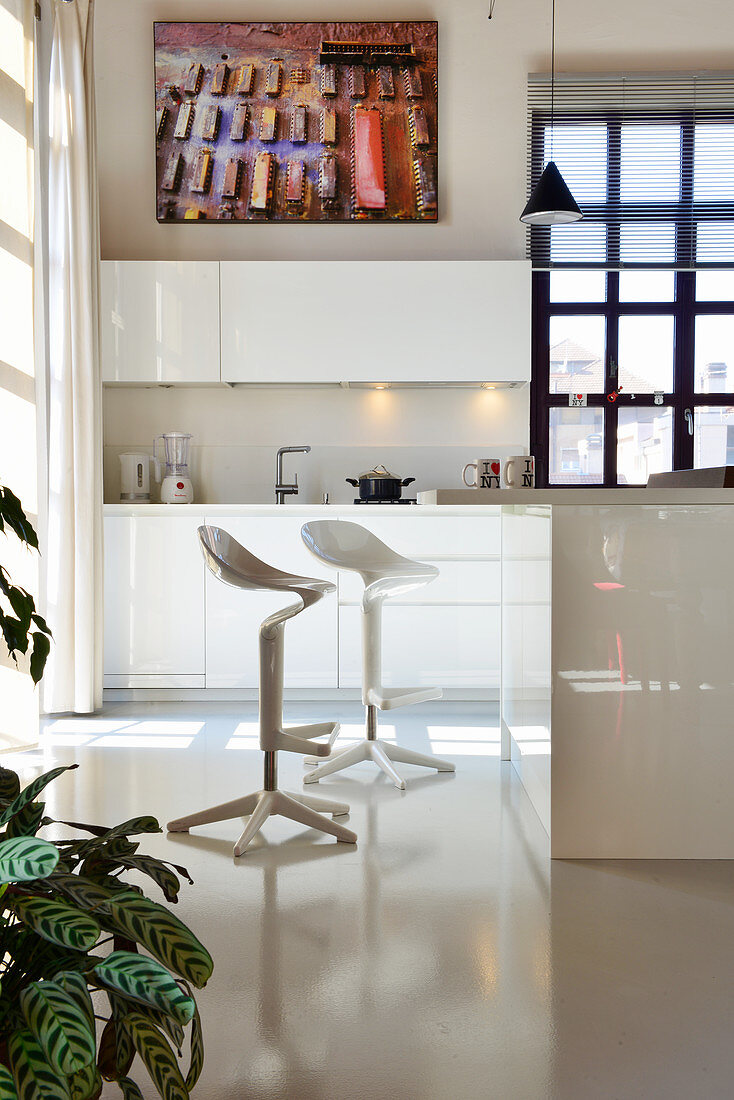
[551, 202]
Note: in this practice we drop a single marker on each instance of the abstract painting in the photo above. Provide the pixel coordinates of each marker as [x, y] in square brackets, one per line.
[296, 122]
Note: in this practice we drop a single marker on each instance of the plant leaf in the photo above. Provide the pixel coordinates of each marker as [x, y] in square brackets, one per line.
[7, 1085]
[87, 895]
[39, 656]
[27, 821]
[58, 922]
[197, 1051]
[9, 785]
[34, 1078]
[159, 1059]
[145, 980]
[164, 935]
[86, 1084]
[60, 1027]
[130, 1090]
[25, 858]
[12, 513]
[162, 875]
[75, 986]
[28, 794]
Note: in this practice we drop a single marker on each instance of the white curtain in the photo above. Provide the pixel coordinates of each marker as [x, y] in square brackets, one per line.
[73, 557]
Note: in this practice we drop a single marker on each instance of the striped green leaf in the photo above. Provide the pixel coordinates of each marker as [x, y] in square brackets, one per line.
[165, 936]
[86, 1084]
[34, 1078]
[7, 1085]
[87, 895]
[60, 1027]
[57, 922]
[145, 980]
[158, 1057]
[29, 793]
[75, 986]
[197, 1051]
[161, 874]
[165, 1023]
[130, 1090]
[25, 858]
[27, 821]
[9, 785]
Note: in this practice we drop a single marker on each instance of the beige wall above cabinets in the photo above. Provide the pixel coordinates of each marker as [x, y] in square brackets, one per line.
[295, 323]
[483, 68]
[414, 321]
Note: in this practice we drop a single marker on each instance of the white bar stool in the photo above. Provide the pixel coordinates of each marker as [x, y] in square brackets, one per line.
[344, 545]
[234, 565]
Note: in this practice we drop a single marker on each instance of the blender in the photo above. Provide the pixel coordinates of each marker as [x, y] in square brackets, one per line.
[176, 486]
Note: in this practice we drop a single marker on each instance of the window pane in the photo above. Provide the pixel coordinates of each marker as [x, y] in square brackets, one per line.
[646, 242]
[577, 354]
[715, 286]
[713, 438]
[578, 286]
[646, 354]
[581, 155]
[714, 355]
[576, 447]
[580, 239]
[650, 163]
[713, 165]
[646, 286]
[644, 443]
[714, 242]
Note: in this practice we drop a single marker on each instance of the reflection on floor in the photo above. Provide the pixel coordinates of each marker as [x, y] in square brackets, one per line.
[444, 958]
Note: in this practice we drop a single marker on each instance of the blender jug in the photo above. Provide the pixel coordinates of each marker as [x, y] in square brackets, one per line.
[176, 485]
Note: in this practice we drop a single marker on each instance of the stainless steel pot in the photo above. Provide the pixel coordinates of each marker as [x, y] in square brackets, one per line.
[380, 484]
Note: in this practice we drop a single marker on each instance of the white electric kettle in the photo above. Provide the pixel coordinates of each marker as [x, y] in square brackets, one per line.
[135, 478]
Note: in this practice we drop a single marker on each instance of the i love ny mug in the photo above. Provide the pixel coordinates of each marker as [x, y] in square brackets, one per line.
[487, 473]
[516, 472]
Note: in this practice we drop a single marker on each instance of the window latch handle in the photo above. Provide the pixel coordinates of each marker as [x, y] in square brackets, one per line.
[689, 420]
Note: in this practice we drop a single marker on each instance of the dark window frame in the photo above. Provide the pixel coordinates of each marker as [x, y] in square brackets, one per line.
[683, 308]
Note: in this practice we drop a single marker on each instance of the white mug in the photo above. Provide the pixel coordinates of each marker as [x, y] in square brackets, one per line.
[487, 473]
[518, 472]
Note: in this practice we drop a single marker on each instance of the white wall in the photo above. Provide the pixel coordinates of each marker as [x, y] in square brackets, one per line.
[415, 433]
[482, 82]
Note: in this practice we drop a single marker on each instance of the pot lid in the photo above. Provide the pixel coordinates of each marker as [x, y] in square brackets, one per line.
[379, 472]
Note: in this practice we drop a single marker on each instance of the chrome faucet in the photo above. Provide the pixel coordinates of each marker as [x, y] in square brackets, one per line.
[281, 490]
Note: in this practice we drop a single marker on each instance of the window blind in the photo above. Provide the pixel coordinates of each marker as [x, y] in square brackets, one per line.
[649, 158]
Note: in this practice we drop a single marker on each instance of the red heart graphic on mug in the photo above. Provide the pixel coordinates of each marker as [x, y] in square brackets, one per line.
[495, 468]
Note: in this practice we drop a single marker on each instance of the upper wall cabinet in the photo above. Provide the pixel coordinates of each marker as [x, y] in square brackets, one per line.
[376, 321]
[160, 322]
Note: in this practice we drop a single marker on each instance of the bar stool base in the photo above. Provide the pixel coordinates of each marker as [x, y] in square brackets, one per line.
[264, 804]
[384, 753]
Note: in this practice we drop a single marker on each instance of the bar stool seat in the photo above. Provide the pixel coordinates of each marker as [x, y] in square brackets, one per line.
[386, 574]
[234, 565]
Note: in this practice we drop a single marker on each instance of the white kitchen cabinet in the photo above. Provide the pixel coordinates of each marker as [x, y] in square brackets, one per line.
[160, 322]
[154, 602]
[233, 617]
[375, 321]
[446, 634]
[445, 646]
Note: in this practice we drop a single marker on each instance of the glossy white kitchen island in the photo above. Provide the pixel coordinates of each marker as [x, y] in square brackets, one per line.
[618, 666]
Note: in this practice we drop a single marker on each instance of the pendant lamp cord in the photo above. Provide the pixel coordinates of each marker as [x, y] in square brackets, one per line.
[553, 71]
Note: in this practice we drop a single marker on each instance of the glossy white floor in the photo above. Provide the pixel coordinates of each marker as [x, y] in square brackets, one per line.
[443, 958]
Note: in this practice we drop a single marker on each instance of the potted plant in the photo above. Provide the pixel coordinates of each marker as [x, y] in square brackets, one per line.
[92, 972]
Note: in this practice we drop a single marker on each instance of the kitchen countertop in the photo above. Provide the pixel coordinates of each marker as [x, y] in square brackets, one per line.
[443, 501]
